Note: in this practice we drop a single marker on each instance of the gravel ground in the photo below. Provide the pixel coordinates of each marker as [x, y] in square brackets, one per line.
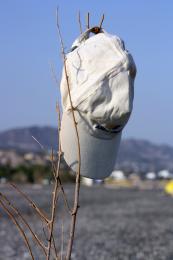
[112, 224]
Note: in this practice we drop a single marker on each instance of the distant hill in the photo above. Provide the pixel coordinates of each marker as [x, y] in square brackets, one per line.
[21, 138]
[134, 155]
[142, 155]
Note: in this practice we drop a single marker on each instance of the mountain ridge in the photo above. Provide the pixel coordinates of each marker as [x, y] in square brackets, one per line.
[134, 154]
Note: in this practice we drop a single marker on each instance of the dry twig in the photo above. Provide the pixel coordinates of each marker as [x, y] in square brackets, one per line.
[54, 202]
[101, 22]
[11, 209]
[80, 24]
[12, 206]
[88, 21]
[77, 186]
[53, 211]
[12, 217]
[41, 214]
[59, 129]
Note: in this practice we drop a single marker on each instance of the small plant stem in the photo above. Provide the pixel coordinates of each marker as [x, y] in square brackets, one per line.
[77, 185]
[88, 21]
[80, 24]
[24, 221]
[55, 191]
[11, 216]
[101, 22]
[54, 200]
[31, 203]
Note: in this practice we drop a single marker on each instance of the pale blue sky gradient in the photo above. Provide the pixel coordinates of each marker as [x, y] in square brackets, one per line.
[29, 42]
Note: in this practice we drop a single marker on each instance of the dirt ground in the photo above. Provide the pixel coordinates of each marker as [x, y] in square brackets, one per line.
[112, 224]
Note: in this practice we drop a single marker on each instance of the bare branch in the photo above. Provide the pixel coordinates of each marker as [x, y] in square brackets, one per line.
[32, 204]
[62, 237]
[59, 117]
[56, 189]
[44, 232]
[101, 22]
[88, 21]
[54, 247]
[56, 176]
[54, 201]
[11, 209]
[24, 221]
[12, 217]
[80, 24]
[53, 163]
[65, 197]
[77, 186]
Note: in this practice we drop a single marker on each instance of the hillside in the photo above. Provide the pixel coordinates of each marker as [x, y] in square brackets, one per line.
[144, 156]
[134, 155]
[21, 138]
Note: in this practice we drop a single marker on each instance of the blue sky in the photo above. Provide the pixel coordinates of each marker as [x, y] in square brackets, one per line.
[29, 43]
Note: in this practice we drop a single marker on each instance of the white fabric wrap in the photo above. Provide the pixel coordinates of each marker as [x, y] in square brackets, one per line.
[101, 80]
[100, 83]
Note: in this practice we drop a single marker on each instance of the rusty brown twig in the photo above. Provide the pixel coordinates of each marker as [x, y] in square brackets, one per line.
[12, 217]
[11, 209]
[53, 208]
[55, 249]
[52, 163]
[32, 204]
[80, 24]
[12, 206]
[77, 185]
[55, 191]
[59, 129]
[64, 197]
[61, 187]
[62, 237]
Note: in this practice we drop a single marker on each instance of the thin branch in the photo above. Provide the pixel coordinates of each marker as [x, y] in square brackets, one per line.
[11, 216]
[52, 163]
[32, 204]
[59, 117]
[56, 176]
[77, 186]
[57, 186]
[68, 85]
[42, 147]
[88, 21]
[80, 24]
[65, 197]
[62, 189]
[51, 225]
[62, 237]
[60, 153]
[24, 221]
[44, 232]
[54, 201]
[59, 129]
[54, 246]
[101, 22]
[56, 189]
[54, 77]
